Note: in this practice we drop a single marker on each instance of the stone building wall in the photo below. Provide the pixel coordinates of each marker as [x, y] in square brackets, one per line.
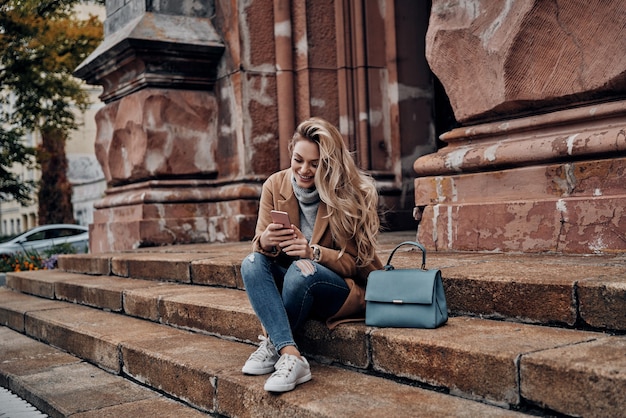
[498, 126]
[201, 98]
[539, 163]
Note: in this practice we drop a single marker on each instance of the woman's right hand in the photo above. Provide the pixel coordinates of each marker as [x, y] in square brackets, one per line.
[274, 234]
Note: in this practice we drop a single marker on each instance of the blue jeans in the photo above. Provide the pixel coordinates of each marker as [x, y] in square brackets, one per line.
[283, 298]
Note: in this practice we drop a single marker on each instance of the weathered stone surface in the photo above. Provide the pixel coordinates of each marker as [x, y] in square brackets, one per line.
[150, 407]
[193, 368]
[531, 99]
[334, 392]
[174, 221]
[184, 366]
[15, 305]
[476, 283]
[219, 311]
[603, 300]
[76, 388]
[90, 334]
[78, 288]
[144, 302]
[152, 136]
[213, 90]
[471, 357]
[221, 266]
[216, 273]
[259, 50]
[207, 309]
[153, 407]
[120, 12]
[591, 178]
[20, 356]
[86, 263]
[103, 292]
[154, 50]
[573, 205]
[347, 345]
[155, 266]
[581, 380]
[522, 292]
[60, 384]
[154, 133]
[35, 284]
[547, 289]
[515, 57]
[464, 352]
[568, 225]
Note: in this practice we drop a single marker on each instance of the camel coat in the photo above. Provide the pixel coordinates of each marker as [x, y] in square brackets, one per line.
[278, 194]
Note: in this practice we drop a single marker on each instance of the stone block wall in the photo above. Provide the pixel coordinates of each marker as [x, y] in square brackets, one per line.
[202, 97]
[538, 164]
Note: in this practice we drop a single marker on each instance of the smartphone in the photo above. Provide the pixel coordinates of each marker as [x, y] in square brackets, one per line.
[280, 217]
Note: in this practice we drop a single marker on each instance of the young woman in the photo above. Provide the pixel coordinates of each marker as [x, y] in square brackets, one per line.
[317, 264]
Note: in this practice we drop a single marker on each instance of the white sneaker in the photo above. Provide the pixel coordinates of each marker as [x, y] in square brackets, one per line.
[262, 361]
[290, 371]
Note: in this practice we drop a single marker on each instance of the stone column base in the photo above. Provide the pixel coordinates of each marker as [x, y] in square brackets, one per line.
[550, 183]
[176, 212]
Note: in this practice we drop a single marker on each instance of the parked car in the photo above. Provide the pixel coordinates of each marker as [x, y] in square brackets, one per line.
[43, 238]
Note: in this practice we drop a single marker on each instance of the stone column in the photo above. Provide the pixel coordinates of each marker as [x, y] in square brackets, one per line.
[157, 133]
[539, 162]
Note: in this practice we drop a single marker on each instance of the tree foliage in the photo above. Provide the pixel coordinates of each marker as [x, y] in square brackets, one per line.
[42, 42]
[13, 152]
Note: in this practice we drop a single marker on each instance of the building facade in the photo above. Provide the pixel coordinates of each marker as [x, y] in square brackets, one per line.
[15, 218]
[84, 171]
[488, 126]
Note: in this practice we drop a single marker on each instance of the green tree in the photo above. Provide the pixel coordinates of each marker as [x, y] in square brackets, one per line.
[13, 152]
[42, 42]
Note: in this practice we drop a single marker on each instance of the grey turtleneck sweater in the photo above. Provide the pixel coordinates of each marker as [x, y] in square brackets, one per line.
[309, 201]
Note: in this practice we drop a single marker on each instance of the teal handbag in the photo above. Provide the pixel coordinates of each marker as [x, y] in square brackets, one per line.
[405, 298]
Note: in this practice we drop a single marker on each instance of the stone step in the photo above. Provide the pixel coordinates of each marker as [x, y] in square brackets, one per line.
[570, 291]
[505, 364]
[215, 310]
[192, 369]
[61, 385]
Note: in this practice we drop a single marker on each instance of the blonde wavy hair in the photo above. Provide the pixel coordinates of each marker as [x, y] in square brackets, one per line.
[349, 193]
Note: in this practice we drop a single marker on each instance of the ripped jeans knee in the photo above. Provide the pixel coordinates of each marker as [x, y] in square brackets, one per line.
[307, 267]
[311, 289]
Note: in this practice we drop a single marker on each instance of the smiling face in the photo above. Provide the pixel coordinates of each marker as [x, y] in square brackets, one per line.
[305, 158]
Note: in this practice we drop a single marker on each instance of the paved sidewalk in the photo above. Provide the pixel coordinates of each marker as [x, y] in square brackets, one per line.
[12, 406]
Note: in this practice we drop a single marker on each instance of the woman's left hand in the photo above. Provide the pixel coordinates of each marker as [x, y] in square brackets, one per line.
[298, 246]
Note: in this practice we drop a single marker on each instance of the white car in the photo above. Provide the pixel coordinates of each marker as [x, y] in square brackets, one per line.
[43, 238]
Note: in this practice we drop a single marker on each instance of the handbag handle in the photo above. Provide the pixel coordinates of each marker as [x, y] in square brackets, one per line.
[388, 266]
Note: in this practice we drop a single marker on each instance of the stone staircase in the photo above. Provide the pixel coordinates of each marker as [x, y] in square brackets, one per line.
[164, 332]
